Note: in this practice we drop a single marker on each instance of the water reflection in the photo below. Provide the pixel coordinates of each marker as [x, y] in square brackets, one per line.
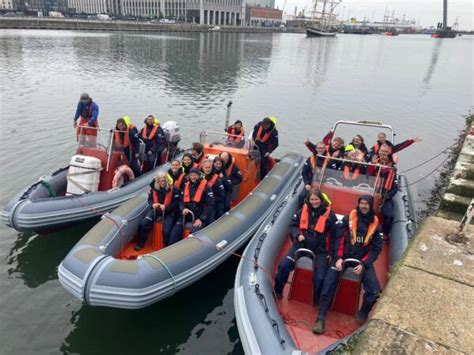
[195, 320]
[318, 60]
[34, 258]
[433, 62]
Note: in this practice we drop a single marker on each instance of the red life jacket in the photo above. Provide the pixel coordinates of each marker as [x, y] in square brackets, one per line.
[198, 195]
[353, 228]
[152, 133]
[229, 169]
[211, 182]
[235, 137]
[376, 148]
[351, 176]
[126, 140]
[179, 181]
[258, 136]
[320, 225]
[168, 197]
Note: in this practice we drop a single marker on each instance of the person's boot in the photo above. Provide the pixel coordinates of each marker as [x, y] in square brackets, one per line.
[361, 317]
[138, 247]
[319, 326]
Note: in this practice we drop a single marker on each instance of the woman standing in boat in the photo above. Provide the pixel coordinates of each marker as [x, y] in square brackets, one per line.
[232, 176]
[236, 134]
[155, 142]
[126, 139]
[312, 227]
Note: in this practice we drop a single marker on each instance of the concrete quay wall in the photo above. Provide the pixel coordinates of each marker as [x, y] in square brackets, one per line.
[428, 305]
[134, 26]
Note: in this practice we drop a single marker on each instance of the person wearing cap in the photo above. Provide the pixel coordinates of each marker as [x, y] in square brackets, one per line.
[126, 139]
[155, 142]
[312, 227]
[231, 176]
[88, 112]
[197, 198]
[360, 237]
[197, 152]
[163, 201]
[265, 136]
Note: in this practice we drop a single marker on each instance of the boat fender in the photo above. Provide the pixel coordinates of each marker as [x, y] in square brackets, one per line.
[120, 172]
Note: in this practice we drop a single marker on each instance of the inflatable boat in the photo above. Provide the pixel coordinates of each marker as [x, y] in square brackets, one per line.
[268, 325]
[104, 269]
[97, 180]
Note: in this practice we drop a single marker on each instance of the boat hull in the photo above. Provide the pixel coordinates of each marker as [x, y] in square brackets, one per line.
[35, 210]
[263, 331]
[92, 273]
[314, 32]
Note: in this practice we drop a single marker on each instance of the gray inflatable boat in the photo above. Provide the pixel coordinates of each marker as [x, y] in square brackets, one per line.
[268, 325]
[49, 204]
[96, 272]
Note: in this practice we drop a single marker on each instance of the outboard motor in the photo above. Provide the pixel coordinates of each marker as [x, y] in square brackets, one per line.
[172, 135]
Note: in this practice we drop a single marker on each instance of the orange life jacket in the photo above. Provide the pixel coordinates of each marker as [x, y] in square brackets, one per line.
[211, 182]
[376, 148]
[351, 176]
[179, 181]
[198, 195]
[235, 137]
[152, 133]
[258, 136]
[126, 140]
[168, 197]
[320, 225]
[229, 169]
[353, 228]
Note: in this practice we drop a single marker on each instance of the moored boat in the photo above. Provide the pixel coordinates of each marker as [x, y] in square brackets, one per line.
[315, 32]
[268, 325]
[97, 180]
[104, 268]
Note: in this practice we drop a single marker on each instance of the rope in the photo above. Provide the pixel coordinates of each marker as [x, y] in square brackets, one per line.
[48, 187]
[165, 267]
[430, 173]
[445, 150]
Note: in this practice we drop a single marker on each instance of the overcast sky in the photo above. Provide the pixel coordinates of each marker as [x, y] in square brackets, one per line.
[428, 12]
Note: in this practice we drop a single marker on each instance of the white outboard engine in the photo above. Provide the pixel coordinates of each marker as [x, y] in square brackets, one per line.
[172, 134]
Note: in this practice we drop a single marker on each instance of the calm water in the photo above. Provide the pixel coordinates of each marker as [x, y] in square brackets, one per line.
[421, 86]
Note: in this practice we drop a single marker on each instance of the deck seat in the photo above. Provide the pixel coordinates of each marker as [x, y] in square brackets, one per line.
[347, 295]
[301, 289]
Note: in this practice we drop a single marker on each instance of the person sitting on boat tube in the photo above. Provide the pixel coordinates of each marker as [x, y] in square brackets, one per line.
[197, 151]
[188, 163]
[176, 172]
[265, 136]
[386, 162]
[214, 182]
[232, 177]
[236, 134]
[312, 227]
[352, 169]
[197, 198]
[163, 200]
[360, 237]
[334, 148]
[155, 143]
[126, 139]
[88, 111]
[382, 139]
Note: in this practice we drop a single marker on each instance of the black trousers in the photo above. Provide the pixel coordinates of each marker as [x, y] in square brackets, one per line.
[169, 227]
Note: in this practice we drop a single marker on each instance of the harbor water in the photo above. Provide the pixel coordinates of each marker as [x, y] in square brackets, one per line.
[419, 85]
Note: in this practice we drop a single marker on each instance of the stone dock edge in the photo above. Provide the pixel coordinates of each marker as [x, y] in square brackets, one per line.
[129, 26]
[428, 305]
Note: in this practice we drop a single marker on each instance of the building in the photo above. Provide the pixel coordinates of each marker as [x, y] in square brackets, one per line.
[262, 16]
[87, 6]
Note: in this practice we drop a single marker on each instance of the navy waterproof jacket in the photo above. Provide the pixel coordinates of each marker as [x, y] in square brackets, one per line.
[83, 110]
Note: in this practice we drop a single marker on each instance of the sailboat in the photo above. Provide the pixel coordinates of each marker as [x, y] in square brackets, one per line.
[324, 20]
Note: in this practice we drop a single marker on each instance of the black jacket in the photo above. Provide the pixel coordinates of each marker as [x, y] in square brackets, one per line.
[218, 189]
[324, 240]
[177, 176]
[232, 179]
[204, 210]
[173, 207]
[271, 144]
[157, 142]
[367, 254]
[308, 170]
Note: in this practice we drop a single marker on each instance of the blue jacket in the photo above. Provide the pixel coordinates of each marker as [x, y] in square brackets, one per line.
[84, 109]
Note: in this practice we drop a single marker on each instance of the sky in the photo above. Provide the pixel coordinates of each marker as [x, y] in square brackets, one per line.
[425, 12]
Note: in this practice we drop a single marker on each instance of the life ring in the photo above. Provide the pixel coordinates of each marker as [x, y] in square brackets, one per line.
[122, 170]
